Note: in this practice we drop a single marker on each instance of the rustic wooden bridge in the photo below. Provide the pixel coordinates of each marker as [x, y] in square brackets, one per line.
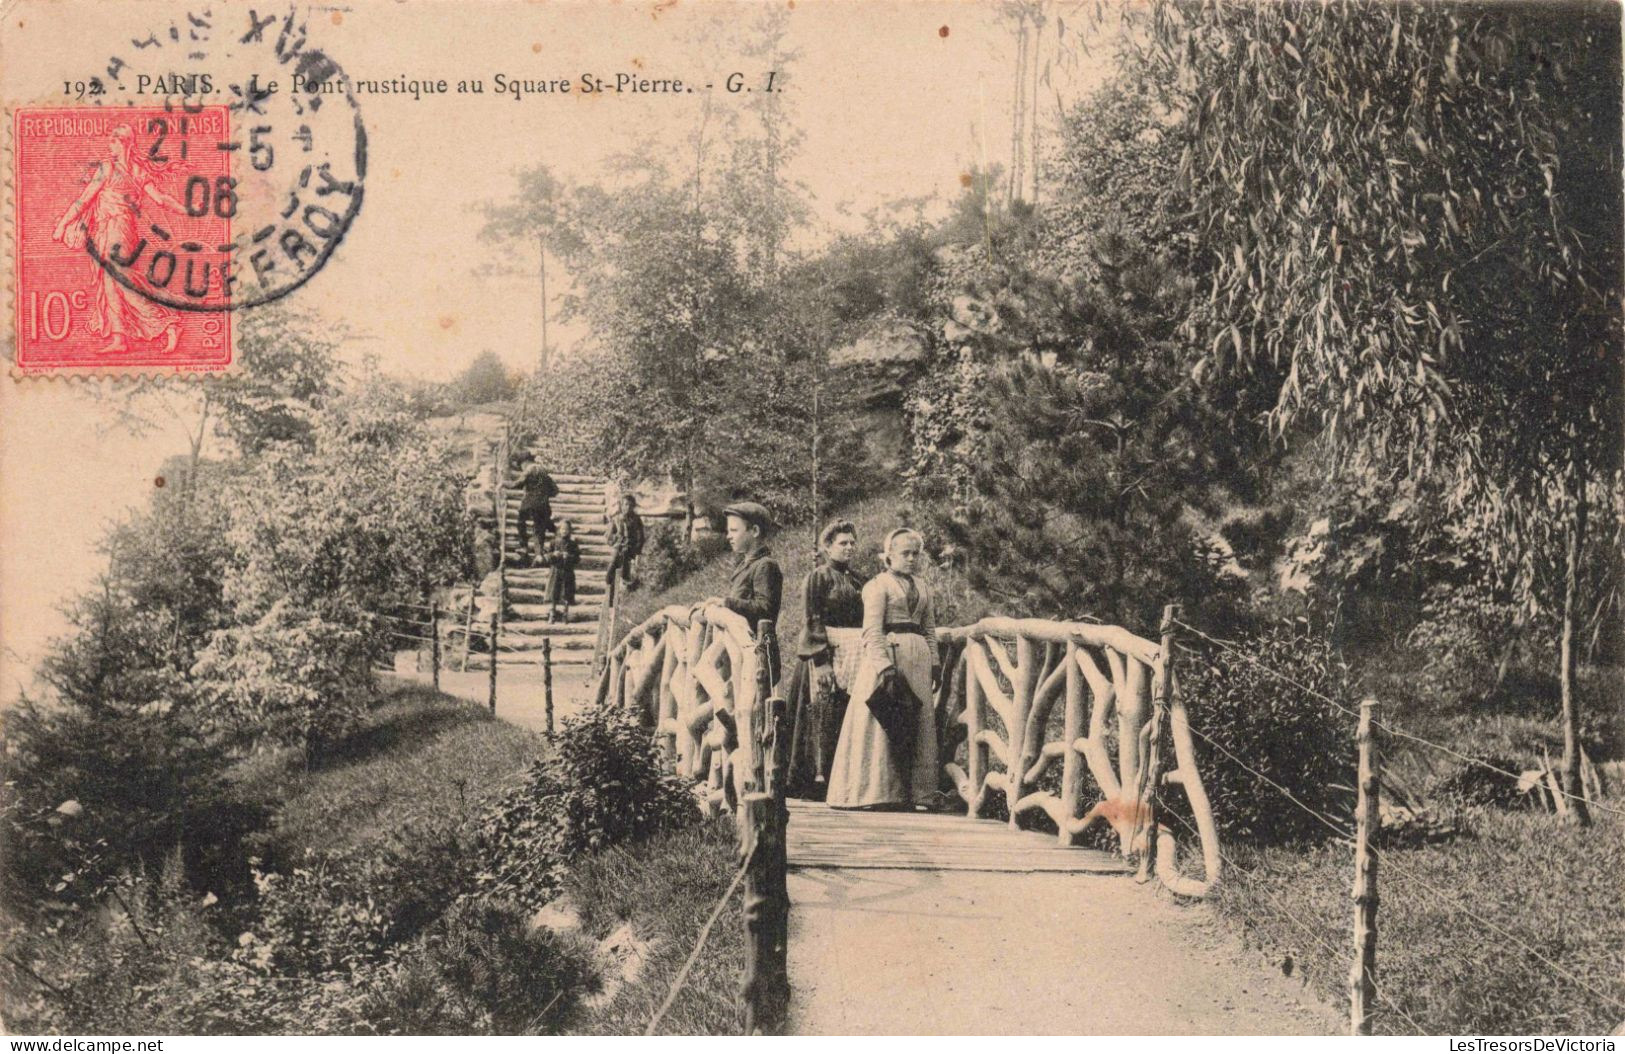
[1032, 711]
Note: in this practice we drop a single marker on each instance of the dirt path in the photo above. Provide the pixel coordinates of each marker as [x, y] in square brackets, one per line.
[881, 952]
[520, 699]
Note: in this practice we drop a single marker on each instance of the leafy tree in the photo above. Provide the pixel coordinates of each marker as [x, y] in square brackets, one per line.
[485, 380]
[1091, 453]
[1396, 201]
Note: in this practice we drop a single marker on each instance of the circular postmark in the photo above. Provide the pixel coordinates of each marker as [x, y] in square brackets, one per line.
[241, 170]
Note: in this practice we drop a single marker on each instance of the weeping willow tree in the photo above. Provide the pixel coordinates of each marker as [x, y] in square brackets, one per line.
[1410, 220]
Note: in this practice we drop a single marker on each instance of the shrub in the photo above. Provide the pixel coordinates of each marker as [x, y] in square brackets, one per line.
[341, 910]
[150, 960]
[142, 783]
[296, 678]
[668, 557]
[604, 785]
[479, 971]
[1281, 732]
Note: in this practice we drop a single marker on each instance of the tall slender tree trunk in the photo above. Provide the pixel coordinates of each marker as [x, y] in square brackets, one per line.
[1571, 706]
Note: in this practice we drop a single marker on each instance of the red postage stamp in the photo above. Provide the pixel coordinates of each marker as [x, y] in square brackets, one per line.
[123, 240]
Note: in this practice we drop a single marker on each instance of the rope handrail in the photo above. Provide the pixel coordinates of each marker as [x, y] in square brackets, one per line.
[1392, 862]
[699, 944]
[1384, 724]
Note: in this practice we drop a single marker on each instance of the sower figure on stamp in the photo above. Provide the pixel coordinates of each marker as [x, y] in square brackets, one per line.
[756, 586]
[107, 214]
[625, 541]
[537, 504]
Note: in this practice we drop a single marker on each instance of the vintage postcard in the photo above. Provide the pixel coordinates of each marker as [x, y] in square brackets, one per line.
[811, 517]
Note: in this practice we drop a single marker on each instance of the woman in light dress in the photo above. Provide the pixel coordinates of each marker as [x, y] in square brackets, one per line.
[898, 634]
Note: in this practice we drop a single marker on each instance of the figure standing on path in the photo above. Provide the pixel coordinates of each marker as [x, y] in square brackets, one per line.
[756, 587]
[884, 758]
[625, 540]
[536, 505]
[562, 555]
[828, 659]
[107, 214]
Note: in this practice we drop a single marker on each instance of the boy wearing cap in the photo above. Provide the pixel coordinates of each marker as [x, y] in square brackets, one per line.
[757, 584]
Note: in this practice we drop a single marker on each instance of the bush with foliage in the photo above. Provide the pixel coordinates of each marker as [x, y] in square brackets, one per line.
[153, 960]
[339, 910]
[604, 785]
[485, 380]
[668, 557]
[289, 677]
[480, 971]
[1264, 729]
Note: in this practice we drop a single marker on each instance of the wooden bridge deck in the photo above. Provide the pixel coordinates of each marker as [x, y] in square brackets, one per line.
[820, 836]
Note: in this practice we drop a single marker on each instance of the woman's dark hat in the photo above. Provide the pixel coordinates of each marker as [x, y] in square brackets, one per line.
[750, 512]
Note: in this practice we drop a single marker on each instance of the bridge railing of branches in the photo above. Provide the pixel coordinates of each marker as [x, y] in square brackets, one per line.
[700, 680]
[1123, 723]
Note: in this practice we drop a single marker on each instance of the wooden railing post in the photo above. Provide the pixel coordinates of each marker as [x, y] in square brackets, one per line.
[547, 680]
[1151, 776]
[764, 991]
[491, 689]
[1363, 972]
[1072, 766]
[434, 643]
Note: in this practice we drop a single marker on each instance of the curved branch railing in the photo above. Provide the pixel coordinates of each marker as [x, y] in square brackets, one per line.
[698, 680]
[1005, 701]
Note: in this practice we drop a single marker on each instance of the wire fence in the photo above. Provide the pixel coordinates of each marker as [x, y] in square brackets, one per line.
[465, 630]
[1403, 874]
[1387, 725]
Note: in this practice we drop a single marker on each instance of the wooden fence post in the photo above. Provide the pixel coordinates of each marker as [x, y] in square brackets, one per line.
[1363, 972]
[468, 627]
[434, 642]
[547, 680]
[496, 624]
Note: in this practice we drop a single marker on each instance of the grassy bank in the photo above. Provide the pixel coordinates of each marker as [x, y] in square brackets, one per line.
[1513, 928]
[667, 887]
[419, 757]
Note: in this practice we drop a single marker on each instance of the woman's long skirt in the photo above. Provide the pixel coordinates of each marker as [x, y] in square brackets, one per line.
[816, 721]
[864, 772]
[562, 586]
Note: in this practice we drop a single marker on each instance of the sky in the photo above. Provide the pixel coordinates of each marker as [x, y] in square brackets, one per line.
[895, 101]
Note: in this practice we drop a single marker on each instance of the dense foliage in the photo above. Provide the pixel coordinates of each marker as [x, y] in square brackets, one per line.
[604, 785]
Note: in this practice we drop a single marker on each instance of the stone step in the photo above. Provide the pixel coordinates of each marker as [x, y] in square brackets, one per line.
[569, 635]
[585, 501]
[567, 492]
[578, 613]
[585, 591]
[540, 576]
[589, 562]
[575, 477]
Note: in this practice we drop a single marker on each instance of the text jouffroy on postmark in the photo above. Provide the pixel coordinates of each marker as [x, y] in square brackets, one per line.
[144, 223]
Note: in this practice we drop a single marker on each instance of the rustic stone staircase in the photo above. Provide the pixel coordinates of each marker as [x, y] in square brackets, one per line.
[585, 502]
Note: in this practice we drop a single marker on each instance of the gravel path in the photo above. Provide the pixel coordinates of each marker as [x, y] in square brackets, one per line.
[948, 953]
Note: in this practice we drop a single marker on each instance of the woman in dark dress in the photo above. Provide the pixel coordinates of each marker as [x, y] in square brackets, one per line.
[828, 654]
[563, 553]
